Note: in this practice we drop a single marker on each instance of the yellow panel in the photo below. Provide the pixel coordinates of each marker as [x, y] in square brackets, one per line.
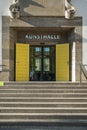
[62, 62]
[22, 62]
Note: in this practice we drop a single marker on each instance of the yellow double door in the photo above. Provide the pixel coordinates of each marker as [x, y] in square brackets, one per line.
[22, 62]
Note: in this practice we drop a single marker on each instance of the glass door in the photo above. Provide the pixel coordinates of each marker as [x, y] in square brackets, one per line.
[42, 63]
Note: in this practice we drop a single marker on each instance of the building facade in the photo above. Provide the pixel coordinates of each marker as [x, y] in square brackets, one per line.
[38, 42]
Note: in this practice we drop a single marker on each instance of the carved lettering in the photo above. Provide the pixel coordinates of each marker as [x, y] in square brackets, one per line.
[42, 37]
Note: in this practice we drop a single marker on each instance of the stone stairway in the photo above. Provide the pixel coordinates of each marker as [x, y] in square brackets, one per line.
[43, 102]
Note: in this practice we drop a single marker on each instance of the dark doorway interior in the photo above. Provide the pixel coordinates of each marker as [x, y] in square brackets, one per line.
[42, 63]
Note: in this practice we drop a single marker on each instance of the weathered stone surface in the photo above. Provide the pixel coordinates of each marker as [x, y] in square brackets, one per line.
[42, 7]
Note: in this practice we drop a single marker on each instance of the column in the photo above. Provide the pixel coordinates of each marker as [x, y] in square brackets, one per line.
[73, 63]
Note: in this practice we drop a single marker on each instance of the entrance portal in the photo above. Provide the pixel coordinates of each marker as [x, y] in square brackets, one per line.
[42, 63]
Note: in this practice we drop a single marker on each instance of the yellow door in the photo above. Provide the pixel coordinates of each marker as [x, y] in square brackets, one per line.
[22, 62]
[62, 62]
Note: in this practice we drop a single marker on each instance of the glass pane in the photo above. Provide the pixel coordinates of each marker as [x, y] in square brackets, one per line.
[46, 50]
[46, 64]
[37, 64]
[37, 49]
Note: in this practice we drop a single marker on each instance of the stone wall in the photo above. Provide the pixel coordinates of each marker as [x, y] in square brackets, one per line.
[13, 40]
[78, 42]
[5, 49]
[42, 7]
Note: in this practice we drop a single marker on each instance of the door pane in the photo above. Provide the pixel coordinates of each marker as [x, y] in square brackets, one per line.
[46, 60]
[46, 64]
[35, 58]
[38, 49]
[46, 50]
[37, 64]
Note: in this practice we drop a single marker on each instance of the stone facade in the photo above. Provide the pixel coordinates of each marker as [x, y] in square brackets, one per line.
[40, 16]
[70, 31]
[42, 7]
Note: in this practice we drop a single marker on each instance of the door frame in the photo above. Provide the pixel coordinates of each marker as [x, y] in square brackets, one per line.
[42, 45]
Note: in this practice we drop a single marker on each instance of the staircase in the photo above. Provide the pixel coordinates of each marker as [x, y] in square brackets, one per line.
[43, 102]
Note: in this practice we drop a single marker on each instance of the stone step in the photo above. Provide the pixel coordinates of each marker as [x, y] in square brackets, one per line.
[44, 104]
[43, 95]
[7, 123]
[42, 83]
[50, 116]
[57, 90]
[43, 88]
[43, 110]
[43, 99]
[51, 83]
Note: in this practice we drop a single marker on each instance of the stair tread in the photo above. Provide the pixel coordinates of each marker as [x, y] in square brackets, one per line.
[43, 120]
[43, 98]
[49, 108]
[43, 88]
[64, 93]
[44, 114]
[44, 85]
[43, 103]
